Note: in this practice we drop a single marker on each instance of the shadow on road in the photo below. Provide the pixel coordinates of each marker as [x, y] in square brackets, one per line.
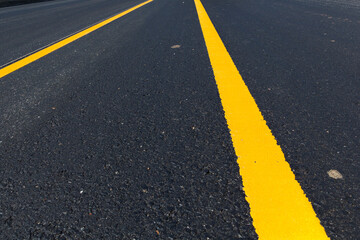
[7, 3]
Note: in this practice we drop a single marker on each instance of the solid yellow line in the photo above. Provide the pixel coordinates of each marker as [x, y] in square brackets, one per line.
[278, 205]
[33, 57]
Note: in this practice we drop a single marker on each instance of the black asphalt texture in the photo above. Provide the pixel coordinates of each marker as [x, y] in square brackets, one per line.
[27, 28]
[301, 62]
[119, 136]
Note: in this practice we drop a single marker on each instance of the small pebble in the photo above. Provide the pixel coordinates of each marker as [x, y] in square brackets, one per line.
[334, 174]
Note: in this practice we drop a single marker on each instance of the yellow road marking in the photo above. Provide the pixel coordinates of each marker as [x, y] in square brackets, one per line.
[278, 205]
[33, 57]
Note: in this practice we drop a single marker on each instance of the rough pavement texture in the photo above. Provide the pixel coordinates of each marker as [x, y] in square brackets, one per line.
[300, 61]
[118, 135]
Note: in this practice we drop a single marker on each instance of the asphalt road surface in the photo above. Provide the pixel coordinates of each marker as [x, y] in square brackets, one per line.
[121, 134]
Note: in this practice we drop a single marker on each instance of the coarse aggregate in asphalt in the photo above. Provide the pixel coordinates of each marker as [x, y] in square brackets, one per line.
[123, 137]
[303, 71]
[120, 136]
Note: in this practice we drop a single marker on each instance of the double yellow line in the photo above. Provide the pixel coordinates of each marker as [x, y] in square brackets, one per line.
[278, 205]
[39, 54]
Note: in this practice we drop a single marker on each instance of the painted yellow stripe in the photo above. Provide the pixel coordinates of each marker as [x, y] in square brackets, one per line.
[278, 206]
[33, 57]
